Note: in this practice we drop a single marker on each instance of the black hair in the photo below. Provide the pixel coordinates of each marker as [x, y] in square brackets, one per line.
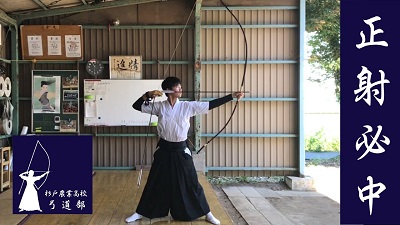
[46, 83]
[169, 83]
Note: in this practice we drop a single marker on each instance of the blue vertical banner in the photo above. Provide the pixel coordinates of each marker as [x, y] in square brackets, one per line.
[370, 143]
[52, 174]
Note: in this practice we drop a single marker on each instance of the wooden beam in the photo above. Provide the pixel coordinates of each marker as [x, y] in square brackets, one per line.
[7, 20]
[41, 4]
[79, 9]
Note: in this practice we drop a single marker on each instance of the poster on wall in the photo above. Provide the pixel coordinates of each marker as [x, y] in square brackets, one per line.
[125, 67]
[55, 101]
[35, 45]
[54, 45]
[73, 46]
[46, 94]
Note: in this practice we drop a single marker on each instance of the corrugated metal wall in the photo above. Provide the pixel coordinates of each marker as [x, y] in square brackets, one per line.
[153, 45]
[270, 109]
[276, 80]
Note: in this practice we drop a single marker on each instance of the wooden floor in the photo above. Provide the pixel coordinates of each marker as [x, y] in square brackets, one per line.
[115, 197]
[6, 214]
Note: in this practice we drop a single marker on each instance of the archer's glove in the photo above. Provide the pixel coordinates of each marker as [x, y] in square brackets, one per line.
[238, 95]
[152, 94]
[155, 93]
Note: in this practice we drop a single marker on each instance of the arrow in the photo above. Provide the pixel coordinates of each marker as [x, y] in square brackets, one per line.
[170, 91]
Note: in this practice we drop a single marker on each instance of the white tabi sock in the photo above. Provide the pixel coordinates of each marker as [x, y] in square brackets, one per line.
[210, 218]
[134, 217]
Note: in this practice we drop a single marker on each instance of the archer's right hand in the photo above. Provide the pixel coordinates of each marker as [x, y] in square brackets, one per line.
[153, 94]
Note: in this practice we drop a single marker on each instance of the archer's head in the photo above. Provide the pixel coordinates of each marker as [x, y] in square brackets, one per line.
[170, 83]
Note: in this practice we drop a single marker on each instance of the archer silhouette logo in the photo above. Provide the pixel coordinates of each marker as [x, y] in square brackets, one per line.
[52, 175]
[30, 200]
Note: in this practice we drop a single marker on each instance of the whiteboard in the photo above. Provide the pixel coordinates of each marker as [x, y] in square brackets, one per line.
[109, 102]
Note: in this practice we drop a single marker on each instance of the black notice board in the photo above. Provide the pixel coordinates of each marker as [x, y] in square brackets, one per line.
[55, 101]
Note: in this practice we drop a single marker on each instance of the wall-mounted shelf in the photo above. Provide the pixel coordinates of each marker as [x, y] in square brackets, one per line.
[5, 175]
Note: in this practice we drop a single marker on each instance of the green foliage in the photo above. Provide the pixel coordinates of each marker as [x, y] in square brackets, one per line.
[318, 143]
[332, 162]
[323, 21]
[333, 145]
[244, 179]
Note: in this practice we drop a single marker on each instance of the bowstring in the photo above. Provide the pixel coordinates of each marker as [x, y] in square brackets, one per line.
[29, 166]
[179, 40]
[145, 145]
[151, 113]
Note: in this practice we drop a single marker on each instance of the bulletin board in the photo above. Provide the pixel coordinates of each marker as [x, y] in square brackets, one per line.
[109, 102]
[55, 101]
[60, 42]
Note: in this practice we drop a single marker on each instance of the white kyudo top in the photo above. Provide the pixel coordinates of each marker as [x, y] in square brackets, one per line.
[173, 123]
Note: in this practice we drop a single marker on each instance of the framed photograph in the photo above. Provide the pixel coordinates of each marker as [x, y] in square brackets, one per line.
[46, 94]
[55, 97]
[125, 67]
[70, 81]
[70, 107]
[68, 126]
[70, 95]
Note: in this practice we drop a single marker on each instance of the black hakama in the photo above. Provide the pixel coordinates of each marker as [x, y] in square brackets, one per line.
[172, 185]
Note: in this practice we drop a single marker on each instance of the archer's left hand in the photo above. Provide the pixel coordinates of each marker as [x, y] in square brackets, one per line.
[238, 95]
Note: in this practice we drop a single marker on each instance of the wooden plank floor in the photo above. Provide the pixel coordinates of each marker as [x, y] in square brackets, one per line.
[6, 213]
[115, 197]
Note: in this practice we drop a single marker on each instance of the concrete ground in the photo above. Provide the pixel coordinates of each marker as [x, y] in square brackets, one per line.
[262, 205]
[265, 206]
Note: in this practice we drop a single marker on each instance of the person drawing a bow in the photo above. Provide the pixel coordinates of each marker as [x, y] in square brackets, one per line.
[172, 185]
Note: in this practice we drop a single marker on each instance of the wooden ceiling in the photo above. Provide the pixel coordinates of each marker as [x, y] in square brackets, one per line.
[13, 12]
